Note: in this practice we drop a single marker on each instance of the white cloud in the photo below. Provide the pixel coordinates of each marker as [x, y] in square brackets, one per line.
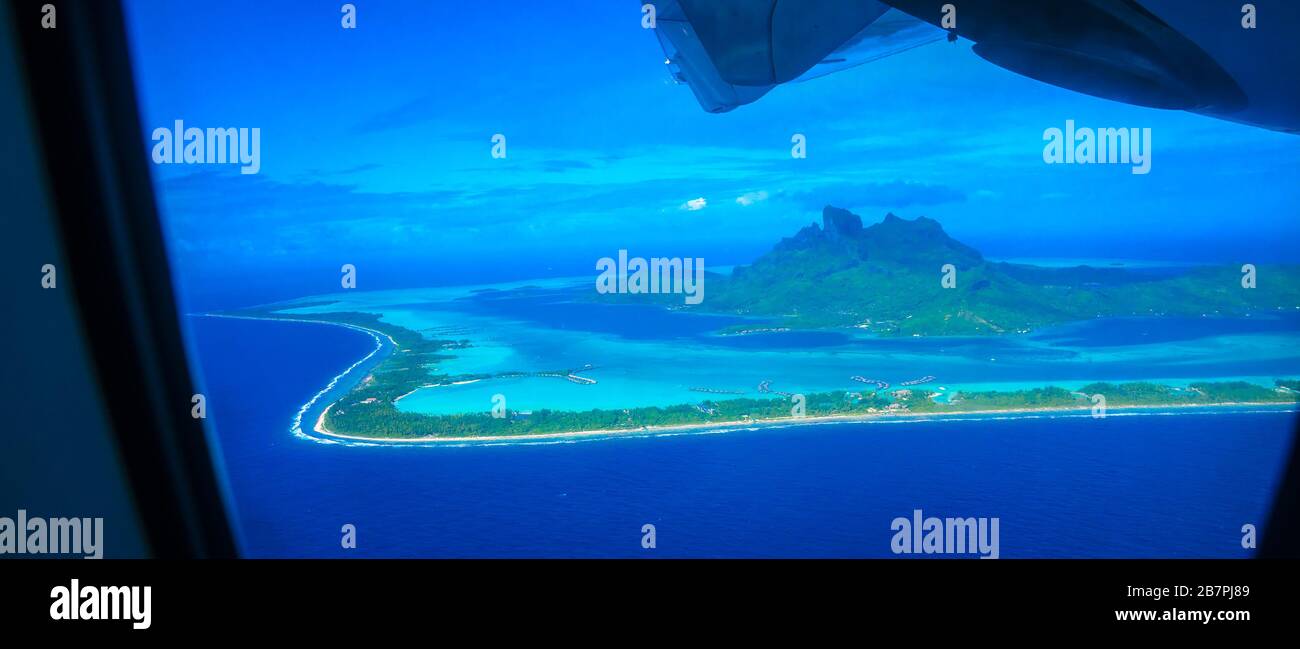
[749, 198]
[695, 204]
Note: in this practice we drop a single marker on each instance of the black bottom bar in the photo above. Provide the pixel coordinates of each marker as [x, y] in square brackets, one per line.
[249, 597]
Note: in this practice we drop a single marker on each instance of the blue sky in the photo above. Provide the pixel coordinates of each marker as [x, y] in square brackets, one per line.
[376, 150]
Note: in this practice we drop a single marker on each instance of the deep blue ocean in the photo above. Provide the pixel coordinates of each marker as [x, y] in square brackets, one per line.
[1156, 485]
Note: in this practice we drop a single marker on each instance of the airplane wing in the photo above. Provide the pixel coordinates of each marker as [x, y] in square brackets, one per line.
[1169, 54]
[732, 52]
[892, 33]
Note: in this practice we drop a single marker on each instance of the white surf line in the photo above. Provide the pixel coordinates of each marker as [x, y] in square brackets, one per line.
[296, 428]
[399, 398]
[296, 425]
[1230, 408]
[726, 427]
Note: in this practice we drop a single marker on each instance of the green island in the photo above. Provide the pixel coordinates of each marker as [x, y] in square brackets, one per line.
[884, 279]
[358, 417]
[369, 410]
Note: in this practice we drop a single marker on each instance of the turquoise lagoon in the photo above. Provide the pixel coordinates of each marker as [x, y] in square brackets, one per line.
[646, 355]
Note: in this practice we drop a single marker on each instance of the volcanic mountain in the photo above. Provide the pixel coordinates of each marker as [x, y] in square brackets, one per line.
[887, 278]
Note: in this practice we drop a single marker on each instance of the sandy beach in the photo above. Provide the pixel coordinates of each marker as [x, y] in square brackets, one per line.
[762, 423]
[320, 428]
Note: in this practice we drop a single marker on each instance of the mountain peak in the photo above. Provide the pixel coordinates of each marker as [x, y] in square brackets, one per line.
[838, 223]
[919, 241]
[892, 220]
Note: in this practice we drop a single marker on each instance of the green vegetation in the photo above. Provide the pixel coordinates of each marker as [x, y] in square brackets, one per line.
[1117, 395]
[382, 420]
[368, 410]
[885, 279]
